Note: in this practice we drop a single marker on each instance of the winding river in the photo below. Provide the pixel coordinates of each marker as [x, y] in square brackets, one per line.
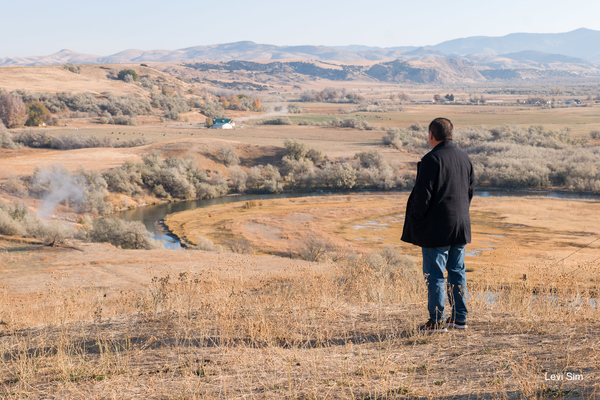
[152, 216]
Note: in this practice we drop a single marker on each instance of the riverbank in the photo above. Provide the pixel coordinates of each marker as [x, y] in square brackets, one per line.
[153, 213]
[510, 234]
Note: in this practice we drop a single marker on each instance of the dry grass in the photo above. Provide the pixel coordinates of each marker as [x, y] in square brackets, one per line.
[93, 78]
[335, 332]
[205, 149]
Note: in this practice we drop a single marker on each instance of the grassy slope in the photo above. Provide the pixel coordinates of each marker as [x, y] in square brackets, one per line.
[165, 325]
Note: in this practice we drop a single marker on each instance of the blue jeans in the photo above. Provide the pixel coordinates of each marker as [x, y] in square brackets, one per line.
[435, 261]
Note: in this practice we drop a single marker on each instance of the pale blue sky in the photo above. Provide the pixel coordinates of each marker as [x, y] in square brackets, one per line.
[106, 27]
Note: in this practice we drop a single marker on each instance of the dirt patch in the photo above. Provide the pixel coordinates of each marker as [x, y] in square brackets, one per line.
[29, 267]
[299, 218]
[262, 231]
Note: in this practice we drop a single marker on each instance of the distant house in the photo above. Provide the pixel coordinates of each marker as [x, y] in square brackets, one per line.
[221, 123]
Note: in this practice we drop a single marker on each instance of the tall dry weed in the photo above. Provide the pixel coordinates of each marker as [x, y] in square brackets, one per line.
[342, 331]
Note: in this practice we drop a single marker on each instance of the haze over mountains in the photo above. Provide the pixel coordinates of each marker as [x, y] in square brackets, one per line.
[581, 46]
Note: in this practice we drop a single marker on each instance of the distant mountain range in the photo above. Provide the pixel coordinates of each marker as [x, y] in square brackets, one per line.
[580, 47]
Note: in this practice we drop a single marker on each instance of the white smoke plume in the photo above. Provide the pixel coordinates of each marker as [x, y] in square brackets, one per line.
[283, 110]
[56, 185]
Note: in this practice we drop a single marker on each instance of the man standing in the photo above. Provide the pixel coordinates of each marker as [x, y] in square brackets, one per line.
[437, 220]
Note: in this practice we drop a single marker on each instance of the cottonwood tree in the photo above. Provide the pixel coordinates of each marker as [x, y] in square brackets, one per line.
[37, 114]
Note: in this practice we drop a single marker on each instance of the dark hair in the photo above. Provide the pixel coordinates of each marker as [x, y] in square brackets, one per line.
[442, 129]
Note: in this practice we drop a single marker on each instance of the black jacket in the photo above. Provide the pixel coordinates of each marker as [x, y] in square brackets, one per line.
[437, 213]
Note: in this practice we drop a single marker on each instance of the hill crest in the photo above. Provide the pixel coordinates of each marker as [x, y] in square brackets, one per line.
[581, 43]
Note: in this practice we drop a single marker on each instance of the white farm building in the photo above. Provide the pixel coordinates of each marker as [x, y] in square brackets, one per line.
[220, 123]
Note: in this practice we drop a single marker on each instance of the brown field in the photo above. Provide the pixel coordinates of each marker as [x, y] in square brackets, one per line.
[90, 321]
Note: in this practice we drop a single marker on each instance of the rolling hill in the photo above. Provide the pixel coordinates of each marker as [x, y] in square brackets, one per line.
[581, 44]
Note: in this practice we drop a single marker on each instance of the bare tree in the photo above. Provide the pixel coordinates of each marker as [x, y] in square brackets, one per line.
[12, 111]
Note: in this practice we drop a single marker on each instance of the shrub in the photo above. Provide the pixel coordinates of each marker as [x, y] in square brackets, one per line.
[393, 258]
[369, 159]
[84, 191]
[331, 95]
[352, 123]
[316, 156]
[55, 233]
[35, 139]
[338, 176]
[512, 157]
[393, 138]
[294, 149]
[15, 186]
[212, 110]
[9, 226]
[174, 177]
[125, 179]
[94, 189]
[228, 156]
[264, 179]
[295, 109]
[146, 84]
[276, 121]
[83, 102]
[172, 106]
[376, 107]
[241, 246]
[120, 233]
[471, 135]
[124, 72]
[172, 115]
[176, 183]
[300, 173]
[87, 103]
[6, 140]
[313, 248]
[45, 140]
[534, 136]
[238, 178]
[414, 138]
[595, 134]
[17, 220]
[297, 150]
[205, 244]
[124, 120]
[76, 69]
[382, 269]
[124, 105]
